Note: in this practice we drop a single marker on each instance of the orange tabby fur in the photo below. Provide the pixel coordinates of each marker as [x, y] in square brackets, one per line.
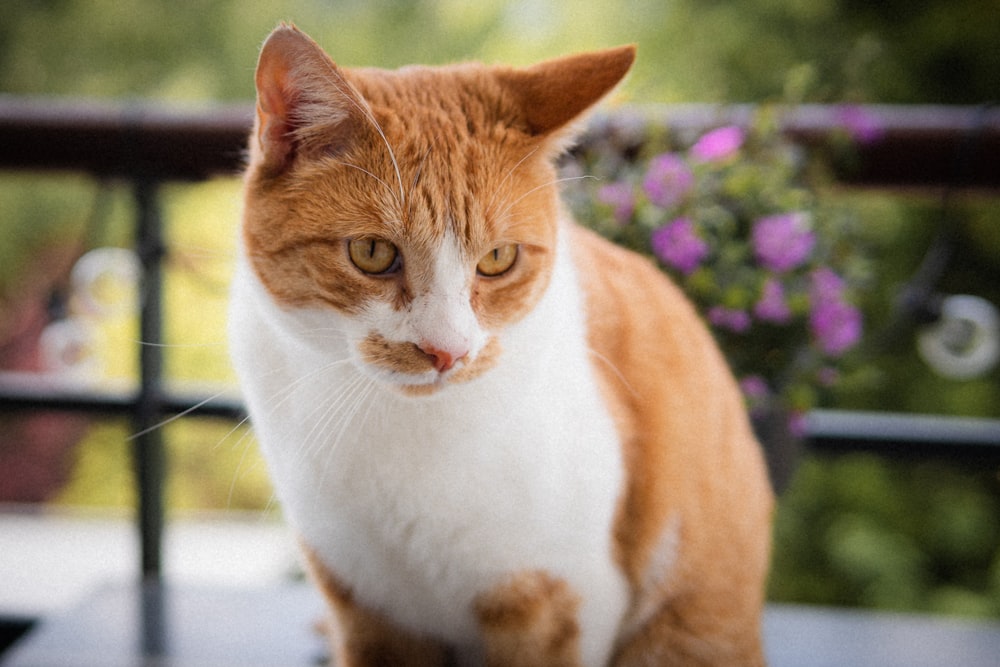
[711, 472]
[692, 528]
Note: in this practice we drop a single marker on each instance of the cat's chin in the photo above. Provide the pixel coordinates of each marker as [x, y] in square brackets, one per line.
[408, 385]
[420, 390]
[440, 384]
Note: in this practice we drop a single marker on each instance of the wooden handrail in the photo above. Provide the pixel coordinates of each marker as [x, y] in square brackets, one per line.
[910, 146]
[904, 146]
[131, 140]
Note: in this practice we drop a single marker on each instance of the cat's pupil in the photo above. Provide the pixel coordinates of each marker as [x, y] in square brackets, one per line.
[497, 261]
[373, 256]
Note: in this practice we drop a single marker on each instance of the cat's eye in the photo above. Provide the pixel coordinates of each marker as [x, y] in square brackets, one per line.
[373, 256]
[497, 261]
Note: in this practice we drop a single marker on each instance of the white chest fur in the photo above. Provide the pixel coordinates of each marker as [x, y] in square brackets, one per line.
[420, 504]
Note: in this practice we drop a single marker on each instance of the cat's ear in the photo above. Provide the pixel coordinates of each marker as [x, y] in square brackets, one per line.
[554, 93]
[302, 99]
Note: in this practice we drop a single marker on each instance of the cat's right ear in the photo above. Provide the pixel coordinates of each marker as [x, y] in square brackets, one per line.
[302, 99]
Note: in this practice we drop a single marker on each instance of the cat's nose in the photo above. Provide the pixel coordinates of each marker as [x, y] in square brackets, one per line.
[443, 360]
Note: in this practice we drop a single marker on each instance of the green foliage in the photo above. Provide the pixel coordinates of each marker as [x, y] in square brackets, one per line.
[690, 50]
[102, 476]
[212, 466]
[862, 530]
[47, 213]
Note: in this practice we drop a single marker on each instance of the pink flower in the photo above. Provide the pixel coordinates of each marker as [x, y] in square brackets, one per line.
[677, 245]
[718, 145]
[668, 179]
[621, 199]
[836, 325]
[861, 124]
[754, 387]
[737, 321]
[798, 424]
[827, 376]
[827, 285]
[783, 242]
[772, 306]
[756, 392]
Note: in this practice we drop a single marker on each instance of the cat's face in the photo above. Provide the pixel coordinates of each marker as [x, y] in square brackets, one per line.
[414, 212]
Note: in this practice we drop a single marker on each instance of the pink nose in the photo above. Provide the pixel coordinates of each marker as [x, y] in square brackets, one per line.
[442, 359]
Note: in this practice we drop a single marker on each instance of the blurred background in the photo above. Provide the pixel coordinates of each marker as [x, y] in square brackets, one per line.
[853, 530]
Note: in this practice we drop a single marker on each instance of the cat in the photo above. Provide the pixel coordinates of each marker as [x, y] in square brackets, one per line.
[500, 439]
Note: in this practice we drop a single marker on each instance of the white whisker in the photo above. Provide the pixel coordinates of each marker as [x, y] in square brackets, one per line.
[556, 181]
[246, 448]
[192, 251]
[271, 502]
[328, 431]
[614, 369]
[363, 388]
[321, 415]
[173, 418]
[419, 170]
[367, 172]
[508, 176]
[247, 431]
[345, 89]
[179, 346]
[289, 390]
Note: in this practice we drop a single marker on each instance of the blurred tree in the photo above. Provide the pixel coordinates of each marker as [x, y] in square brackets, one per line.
[692, 50]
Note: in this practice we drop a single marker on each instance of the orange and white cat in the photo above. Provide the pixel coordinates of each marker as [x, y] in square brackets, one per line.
[501, 439]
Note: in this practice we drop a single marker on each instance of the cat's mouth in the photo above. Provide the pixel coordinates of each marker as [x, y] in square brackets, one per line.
[413, 372]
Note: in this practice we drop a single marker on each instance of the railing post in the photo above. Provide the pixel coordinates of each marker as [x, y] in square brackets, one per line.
[148, 453]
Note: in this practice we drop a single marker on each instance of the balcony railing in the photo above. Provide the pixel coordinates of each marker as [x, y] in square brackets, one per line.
[147, 146]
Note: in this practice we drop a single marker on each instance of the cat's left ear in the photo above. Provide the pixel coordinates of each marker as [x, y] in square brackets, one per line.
[302, 100]
[555, 93]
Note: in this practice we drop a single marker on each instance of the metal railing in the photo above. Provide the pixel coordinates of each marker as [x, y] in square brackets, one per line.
[147, 146]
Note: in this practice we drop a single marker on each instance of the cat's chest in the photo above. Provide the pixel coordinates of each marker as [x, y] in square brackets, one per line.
[420, 507]
[433, 506]
[503, 455]
[421, 504]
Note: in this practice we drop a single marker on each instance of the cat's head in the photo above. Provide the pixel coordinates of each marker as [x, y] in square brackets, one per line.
[415, 210]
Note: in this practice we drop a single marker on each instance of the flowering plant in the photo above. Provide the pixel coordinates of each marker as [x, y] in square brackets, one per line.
[734, 217]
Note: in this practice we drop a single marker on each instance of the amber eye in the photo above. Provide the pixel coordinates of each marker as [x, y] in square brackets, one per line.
[497, 261]
[373, 256]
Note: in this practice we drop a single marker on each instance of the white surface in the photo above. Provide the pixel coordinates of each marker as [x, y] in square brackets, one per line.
[49, 561]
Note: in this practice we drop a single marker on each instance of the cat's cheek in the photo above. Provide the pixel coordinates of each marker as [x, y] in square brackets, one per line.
[401, 358]
[503, 301]
[487, 359]
[499, 304]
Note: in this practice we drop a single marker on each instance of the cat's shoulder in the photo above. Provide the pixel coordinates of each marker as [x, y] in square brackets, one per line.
[620, 283]
[646, 337]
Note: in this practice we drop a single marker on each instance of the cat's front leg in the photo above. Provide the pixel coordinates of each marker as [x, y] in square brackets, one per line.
[360, 638]
[530, 621]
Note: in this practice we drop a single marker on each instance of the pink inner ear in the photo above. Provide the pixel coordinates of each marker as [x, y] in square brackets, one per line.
[273, 109]
[302, 99]
[287, 59]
